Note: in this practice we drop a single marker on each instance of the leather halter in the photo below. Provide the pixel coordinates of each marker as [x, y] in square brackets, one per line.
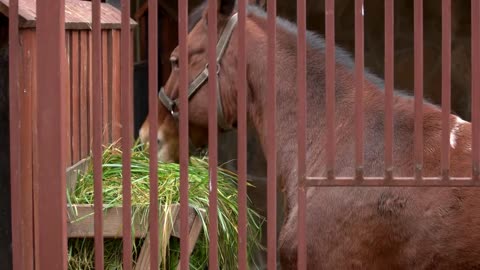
[202, 77]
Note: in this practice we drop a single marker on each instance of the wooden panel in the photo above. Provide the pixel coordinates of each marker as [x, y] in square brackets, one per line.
[192, 215]
[27, 85]
[143, 261]
[80, 222]
[35, 158]
[195, 229]
[91, 96]
[130, 92]
[74, 171]
[83, 59]
[78, 14]
[68, 98]
[114, 63]
[105, 90]
[75, 70]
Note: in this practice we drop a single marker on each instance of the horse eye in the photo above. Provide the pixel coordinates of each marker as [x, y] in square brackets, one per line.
[174, 62]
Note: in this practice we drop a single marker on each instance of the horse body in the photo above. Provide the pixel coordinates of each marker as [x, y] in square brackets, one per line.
[350, 227]
[367, 228]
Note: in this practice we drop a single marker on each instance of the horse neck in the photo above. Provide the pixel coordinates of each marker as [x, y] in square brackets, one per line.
[286, 107]
[286, 102]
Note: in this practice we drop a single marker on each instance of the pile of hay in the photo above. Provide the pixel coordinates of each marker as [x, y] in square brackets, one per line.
[81, 251]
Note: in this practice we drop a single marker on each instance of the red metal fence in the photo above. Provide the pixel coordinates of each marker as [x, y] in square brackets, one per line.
[50, 236]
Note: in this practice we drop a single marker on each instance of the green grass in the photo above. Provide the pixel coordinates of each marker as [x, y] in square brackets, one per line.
[81, 250]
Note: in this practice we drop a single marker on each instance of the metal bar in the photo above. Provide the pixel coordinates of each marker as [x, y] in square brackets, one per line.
[212, 135]
[183, 130]
[389, 60]
[397, 181]
[418, 88]
[52, 222]
[97, 134]
[476, 89]
[126, 135]
[153, 124]
[18, 258]
[271, 135]
[301, 132]
[330, 85]
[359, 83]
[242, 137]
[446, 93]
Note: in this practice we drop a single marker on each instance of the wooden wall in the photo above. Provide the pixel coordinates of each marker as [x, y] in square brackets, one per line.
[78, 106]
[80, 91]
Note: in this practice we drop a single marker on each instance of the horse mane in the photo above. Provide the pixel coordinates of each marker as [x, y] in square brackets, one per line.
[195, 15]
[317, 42]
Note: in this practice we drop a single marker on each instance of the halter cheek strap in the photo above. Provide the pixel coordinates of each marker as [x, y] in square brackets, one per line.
[202, 77]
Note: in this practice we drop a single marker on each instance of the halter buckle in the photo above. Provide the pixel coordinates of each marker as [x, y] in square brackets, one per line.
[174, 114]
[218, 67]
[173, 105]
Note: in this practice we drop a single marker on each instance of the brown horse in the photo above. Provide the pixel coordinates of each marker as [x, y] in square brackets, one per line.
[347, 227]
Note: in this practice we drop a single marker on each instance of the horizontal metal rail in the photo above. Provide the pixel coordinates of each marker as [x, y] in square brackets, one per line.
[395, 182]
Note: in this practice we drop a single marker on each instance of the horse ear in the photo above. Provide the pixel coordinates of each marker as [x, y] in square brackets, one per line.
[225, 7]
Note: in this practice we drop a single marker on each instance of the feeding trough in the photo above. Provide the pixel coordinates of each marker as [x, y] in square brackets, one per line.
[80, 199]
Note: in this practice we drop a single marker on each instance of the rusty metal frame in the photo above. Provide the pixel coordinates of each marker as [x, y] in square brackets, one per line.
[97, 136]
[127, 122]
[50, 169]
[183, 129]
[153, 116]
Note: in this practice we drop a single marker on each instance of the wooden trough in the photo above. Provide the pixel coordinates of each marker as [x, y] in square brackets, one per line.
[81, 221]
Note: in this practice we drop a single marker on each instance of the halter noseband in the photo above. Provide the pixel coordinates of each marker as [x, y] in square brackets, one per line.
[203, 76]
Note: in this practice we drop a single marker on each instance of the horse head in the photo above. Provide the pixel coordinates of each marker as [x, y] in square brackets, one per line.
[198, 78]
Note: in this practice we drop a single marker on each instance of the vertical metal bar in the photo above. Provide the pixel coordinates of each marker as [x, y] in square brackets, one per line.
[389, 19]
[15, 134]
[153, 124]
[301, 132]
[51, 135]
[330, 85]
[126, 135]
[183, 126]
[97, 135]
[446, 93]
[476, 88]
[271, 135]
[212, 135]
[242, 136]
[418, 88]
[359, 64]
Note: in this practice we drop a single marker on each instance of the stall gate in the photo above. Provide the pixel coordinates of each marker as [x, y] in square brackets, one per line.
[50, 235]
